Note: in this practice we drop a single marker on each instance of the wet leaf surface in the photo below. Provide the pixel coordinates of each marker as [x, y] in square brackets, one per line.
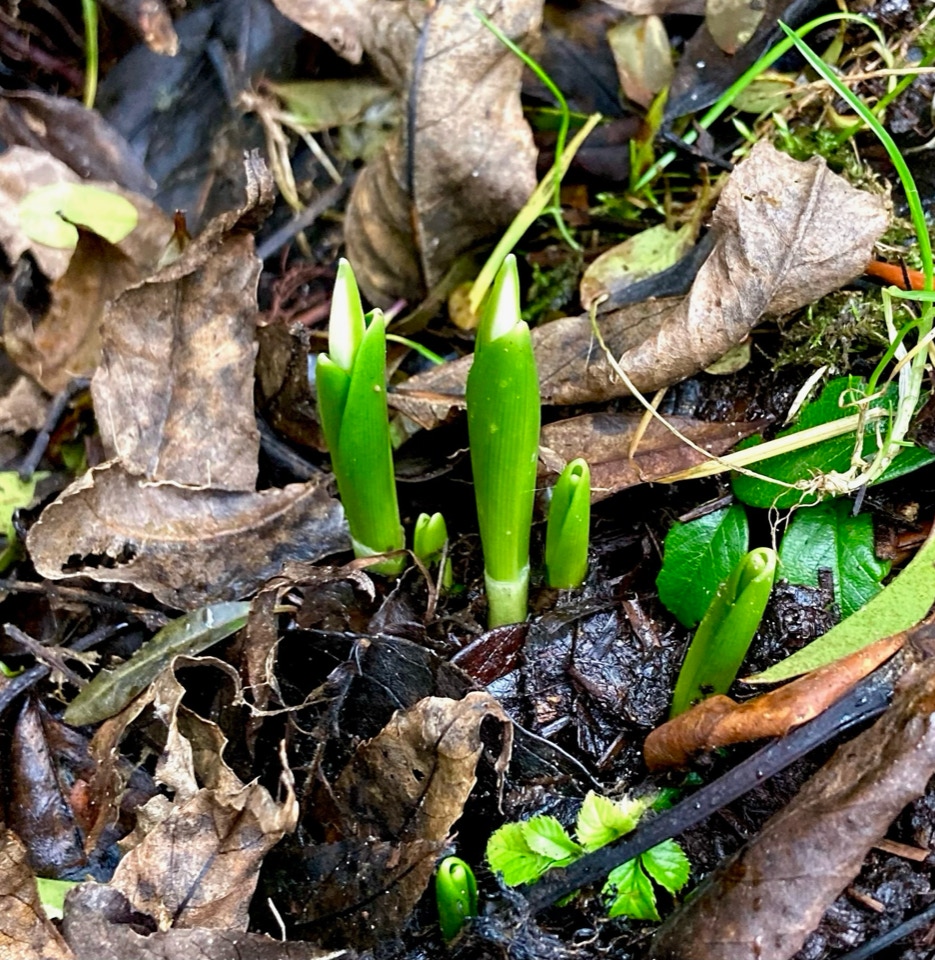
[467, 166]
[767, 899]
[779, 246]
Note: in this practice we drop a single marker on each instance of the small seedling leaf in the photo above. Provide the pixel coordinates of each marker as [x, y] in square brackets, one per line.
[898, 606]
[510, 855]
[15, 493]
[47, 214]
[633, 892]
[111, 690]
[52, 895]
[547, 837]
[829, 537]
[698, 557]
[667, 864]
[601, 820]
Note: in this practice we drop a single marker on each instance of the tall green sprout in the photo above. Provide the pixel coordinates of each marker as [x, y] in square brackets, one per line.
[503, 427]
[352, 405]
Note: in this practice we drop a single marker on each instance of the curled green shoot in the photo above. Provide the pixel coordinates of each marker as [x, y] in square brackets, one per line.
[724, 634]
[429, 539]
[455, 896]
[503, 427]
[352, 406]
[566, 536]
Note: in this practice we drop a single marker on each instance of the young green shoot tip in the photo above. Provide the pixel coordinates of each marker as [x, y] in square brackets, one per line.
[503, 427]
[428, 543]
[723, 637]
[352, 406]
[566, 535]
[455, 895]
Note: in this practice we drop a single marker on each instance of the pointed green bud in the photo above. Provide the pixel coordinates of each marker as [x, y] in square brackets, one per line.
[566, 537]
[346, 326]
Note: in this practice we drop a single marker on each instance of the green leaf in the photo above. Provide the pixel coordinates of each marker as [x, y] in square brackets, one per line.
[52, 895]
[601, 820]
[547, 837]
[568, 527]
[829, 455]
[15, 494]
[667, 864]
[46, 214]
[698, 557]
[633, 892]
[828, 536]
[510, 855]
[901, 604]
[111, 690]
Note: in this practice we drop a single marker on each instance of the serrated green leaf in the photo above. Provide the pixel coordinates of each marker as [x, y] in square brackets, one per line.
[601, 820]
[509, 854]
[547, 837]
[667, 864]
[633, 892]
[830, 537]
[698, 557]
[829, 455]
[111, 690]
[901, 604]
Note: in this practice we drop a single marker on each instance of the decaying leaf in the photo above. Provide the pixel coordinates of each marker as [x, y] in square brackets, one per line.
[604, 440]
[719, 721]
[643, 55]
[150, 20]
[472, 157]
[99, 924]
[25, 931]
[765, 900]
[779, 246]
[197, 866]
[399, 796]
[186, 547]
[733, 22]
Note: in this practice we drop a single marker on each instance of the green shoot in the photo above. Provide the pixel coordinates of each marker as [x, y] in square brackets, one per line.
[352, 406]
[455, 895]
[428, 543]
[503, 427]
[724, 635]
[566, 538]
[522, 852]
[91, 56]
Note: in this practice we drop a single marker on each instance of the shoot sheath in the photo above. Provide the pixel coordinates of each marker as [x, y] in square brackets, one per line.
[566, 537]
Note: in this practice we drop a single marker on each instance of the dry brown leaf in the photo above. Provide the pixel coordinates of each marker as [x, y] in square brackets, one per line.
[643, 55]
[732, 23]
[25, 931]
[473, 155]
[198, 864]
[719, 721]
[23, 408]
[399, 797]
[100, 925]
[780, 245]
[186, 547]
[604, 440]
[766, 899]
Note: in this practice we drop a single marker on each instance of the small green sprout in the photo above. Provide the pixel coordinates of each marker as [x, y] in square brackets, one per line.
[455, 895]
[522, 852]
[503, 427]
[352, 405]
[566, 535]
[724, 634]
[428, 543]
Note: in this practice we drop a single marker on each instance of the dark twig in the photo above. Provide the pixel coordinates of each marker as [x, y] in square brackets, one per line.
[867, 699]
[56, 410]
[873, 947]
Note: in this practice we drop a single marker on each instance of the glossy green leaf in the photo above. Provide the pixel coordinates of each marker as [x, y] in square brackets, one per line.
[698, 557]
[667, 864]
[510, 855]
[602, 820]
[111, 690]
[547, 837]
[901, 604]
[829, 537]
[826, 456]
[633, 892]
[48, 213]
